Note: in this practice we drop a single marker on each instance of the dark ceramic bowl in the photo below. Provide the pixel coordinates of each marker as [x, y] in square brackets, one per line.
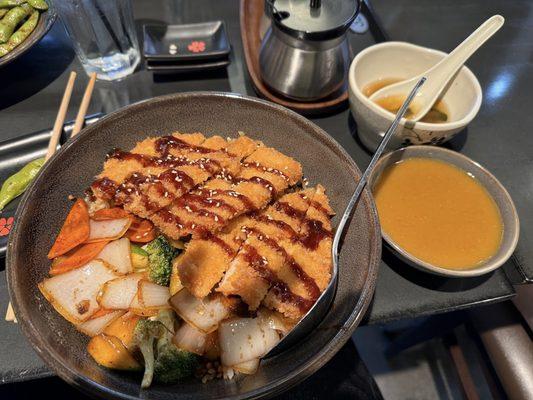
[46, 20]
[45, 205]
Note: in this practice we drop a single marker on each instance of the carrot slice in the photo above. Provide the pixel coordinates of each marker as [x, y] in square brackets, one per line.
[76, 258]
[110, 213]
[141, 231]
[74, 231]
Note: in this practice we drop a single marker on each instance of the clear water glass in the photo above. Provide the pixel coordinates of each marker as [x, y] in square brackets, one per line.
[103, 34]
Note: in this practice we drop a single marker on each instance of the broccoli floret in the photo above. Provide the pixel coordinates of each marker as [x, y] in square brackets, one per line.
[160, 254]
[172, 364]
[145, 334]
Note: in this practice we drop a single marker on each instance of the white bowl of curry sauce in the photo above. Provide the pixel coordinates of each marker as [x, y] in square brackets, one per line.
[386, 63]
[442, 212]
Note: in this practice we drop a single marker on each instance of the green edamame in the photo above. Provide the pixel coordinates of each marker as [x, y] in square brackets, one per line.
[16, 184]
[11, 3]
[38, 4]
[12, 19]
[21, 34]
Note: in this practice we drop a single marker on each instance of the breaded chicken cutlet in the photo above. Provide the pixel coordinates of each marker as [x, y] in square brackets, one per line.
[251, 237]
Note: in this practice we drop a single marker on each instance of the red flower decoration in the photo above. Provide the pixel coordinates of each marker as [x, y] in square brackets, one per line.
[5, 225]
[196, 46]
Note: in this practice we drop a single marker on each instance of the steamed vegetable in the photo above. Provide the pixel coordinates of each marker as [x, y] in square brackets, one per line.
[17, 183]
[109, 352]
[75, 230]
[118, 293]
[21, 34]
[139, 258]
[175, 281]
[171, 363]
[204, 314]
[97, 324]
[145, 334]
[11, 3]
[137, 308]
[77, 257]
[123, 328]
[141, 231]
[160, 255]
[73, 294]
[38, 4]
[189, 338]
[117, 255]
[245, 339]
[105, 214]
[111, 229]
[10, 21]
[248, 367]
[152, 295]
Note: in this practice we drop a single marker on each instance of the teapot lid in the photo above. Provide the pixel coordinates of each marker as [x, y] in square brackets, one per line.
[314, 19]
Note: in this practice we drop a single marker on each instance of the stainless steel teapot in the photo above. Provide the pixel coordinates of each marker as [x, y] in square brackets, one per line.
[305, 54]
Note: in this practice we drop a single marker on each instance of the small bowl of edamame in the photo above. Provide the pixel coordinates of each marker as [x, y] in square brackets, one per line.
[22, 24]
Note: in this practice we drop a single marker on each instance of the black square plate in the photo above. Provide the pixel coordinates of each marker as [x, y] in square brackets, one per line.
[206, 40]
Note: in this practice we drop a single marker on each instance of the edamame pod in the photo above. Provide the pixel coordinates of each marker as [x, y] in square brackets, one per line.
[3, 11]
[12, 19]
[38, 4]
[21, 34]
[11, 3]
[16, 184]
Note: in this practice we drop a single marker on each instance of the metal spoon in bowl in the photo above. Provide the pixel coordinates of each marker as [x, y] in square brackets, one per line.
[440, 74]
[321, 306]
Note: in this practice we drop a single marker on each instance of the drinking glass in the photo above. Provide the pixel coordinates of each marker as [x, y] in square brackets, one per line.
[103, 34]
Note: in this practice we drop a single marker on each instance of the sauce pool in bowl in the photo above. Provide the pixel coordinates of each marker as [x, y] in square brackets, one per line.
[438, 213]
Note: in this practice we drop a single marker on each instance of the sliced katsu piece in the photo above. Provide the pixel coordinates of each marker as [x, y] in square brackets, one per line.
[203, 263]
[308, 271]
[168, 176]
[120, 165]
[255, 268]
[210, 208]
[174, 170]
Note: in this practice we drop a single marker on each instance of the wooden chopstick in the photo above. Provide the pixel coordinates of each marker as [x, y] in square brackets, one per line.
[60, 119]
[80, 118]
[56, 133]
[10, 314]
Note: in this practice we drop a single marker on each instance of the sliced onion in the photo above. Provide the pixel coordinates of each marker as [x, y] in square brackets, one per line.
[138, 309]
[245, 339]
[189, 338]
[73, 294]
[110, 229]
[204, 314]
[118, 255]
[152, 295]
[95, 326]
[276, 320]
[248, 367]
[119, 293]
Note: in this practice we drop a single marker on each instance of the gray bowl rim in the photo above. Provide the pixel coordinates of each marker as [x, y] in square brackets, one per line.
[425, 266]
[321, 357]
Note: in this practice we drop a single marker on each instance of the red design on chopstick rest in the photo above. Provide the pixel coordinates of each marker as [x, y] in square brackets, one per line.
[5, 225]
[196, 46]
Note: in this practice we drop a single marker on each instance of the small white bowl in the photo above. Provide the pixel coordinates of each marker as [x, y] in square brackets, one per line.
[402, 60]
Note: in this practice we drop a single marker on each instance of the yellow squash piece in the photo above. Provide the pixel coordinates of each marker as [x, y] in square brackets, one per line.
[109, 352]
[122, 328]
